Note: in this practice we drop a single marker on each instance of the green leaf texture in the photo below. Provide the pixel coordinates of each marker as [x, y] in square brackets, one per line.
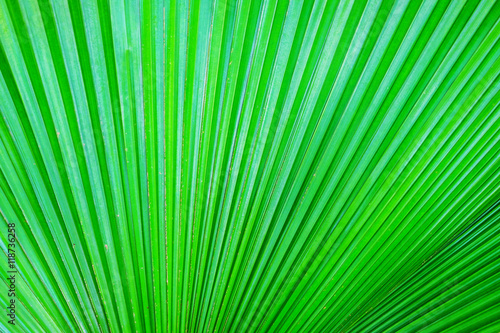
[250, 166]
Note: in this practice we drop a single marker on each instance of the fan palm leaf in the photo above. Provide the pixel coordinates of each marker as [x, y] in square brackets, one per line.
[250, 166]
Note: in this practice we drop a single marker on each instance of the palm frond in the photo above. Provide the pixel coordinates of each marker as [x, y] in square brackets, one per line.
[250, 166]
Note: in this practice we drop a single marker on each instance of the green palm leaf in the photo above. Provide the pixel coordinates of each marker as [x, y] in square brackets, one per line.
[250, 166]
